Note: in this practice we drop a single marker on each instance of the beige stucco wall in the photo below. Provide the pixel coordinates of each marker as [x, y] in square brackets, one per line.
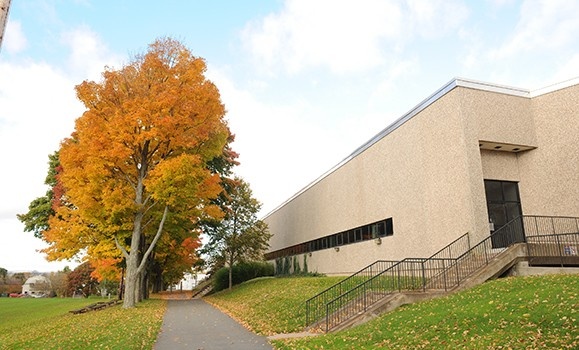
[418, 175]
[550, 174]
[500, 117]
[428, 176]
[500, 166]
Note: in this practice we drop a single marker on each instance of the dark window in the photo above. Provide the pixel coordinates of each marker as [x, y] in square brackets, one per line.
[363, 233]
[332, 241]
[493, 191]
[366, 234]
[381, 229]
[358, 233]
[351, 236]
[389, 227]
[504, 205]
[510, 192]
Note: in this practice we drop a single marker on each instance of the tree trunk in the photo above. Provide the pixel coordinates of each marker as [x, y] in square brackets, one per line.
[122, 284]
[131, 284]
[230, 271]
[144, 290]
[136, 266]
[130, 300]
[157, 278]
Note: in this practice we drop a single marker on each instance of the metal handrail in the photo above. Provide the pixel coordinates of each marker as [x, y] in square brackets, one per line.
[316, 305]
[438, 272]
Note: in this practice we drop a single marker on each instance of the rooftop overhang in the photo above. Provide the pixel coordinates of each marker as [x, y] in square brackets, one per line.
[504, 147]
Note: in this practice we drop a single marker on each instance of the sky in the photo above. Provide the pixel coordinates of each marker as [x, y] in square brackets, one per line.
[305, 82]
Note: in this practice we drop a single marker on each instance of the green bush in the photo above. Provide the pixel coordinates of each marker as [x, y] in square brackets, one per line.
[241, 273]
[290, 266]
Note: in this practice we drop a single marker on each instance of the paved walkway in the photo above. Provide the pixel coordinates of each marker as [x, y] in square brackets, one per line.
[195, 324]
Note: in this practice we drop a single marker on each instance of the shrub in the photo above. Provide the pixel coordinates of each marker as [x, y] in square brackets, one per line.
[241, 272]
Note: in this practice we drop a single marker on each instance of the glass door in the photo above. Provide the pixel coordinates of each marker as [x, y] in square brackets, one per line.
[504, 205]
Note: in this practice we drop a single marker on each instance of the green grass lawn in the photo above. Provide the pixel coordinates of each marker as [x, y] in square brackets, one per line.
[45, 323]
[510, 313]
[271, 305]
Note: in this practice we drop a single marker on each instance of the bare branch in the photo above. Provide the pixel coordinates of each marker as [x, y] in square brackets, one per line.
[154, 242]
[121, 248]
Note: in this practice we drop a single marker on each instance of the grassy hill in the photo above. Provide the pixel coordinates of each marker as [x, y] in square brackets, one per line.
[510, 313]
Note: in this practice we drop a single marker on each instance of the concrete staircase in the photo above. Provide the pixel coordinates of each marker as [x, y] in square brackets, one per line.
[455, 267]
[500, 262]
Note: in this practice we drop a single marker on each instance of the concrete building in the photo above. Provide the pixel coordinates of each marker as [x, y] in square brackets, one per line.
[469, 158]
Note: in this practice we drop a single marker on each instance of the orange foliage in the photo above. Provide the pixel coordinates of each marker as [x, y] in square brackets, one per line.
[143, 143]
[106, 269]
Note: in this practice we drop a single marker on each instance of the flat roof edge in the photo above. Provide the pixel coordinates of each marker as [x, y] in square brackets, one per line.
[397, 123]
[555, 87]
[456, 82]
[490, 87]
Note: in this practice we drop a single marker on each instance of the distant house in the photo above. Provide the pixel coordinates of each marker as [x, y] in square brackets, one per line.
[37, 285]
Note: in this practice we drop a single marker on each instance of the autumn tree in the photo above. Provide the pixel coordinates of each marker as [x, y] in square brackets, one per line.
[240, 235]
[172, 259]
[21, 276]
[81, 281]
[59, 282]
[139, 160]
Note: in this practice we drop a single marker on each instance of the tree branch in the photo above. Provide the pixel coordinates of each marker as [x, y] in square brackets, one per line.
[154, 242]
[121, 248]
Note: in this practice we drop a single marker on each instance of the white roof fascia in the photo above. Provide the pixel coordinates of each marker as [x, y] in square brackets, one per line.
[501, 89]
[462, 82]
[555, 87]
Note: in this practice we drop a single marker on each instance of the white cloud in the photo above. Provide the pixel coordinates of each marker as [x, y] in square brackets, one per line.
[346, 36]
[435, 18]
[37, 110]
[22, 252]
[14, 39]
[496, 4]
[88, 54]
[568, 70]
[397, 72]
[285, 147]
[542, 25]
[270, 139]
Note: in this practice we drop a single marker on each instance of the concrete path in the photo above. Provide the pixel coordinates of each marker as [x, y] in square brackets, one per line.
[195, 324]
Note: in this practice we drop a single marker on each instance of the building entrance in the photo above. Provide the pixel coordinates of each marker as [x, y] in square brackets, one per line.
[504, 205]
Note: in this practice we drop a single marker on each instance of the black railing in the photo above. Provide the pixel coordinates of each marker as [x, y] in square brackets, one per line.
[375, 275]
[316, 305]
[549, 225]
[554, 250]
[546, 237]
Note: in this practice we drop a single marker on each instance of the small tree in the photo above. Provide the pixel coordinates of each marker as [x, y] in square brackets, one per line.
[59, 282]
[3, 274]
[80, 280]
[40, 209]
[239, 236]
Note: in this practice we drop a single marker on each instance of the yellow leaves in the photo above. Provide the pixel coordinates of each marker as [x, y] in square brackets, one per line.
[183, 181]
[175, 179]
